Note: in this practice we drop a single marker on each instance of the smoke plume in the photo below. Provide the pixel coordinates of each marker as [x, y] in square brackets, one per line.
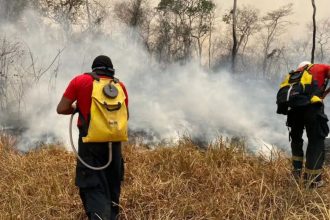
[166, 102]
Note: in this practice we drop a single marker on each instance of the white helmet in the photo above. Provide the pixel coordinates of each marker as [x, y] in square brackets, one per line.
[304, 63]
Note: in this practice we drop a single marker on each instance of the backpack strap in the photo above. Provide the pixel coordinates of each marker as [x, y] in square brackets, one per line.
[115, 80]
[307, 67]
[96, 76]
[326, 90]
[317, 92]
[325, 85]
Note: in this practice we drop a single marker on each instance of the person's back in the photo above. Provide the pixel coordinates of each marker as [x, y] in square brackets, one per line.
[99, 190]
[80, 89]
[320, 73]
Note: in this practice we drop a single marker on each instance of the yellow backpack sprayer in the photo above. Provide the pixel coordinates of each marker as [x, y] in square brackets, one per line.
[108, 116]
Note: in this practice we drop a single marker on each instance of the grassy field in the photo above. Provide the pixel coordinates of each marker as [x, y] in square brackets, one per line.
[179, 182]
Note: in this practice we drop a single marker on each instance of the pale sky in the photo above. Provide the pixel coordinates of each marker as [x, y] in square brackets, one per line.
[303, 10]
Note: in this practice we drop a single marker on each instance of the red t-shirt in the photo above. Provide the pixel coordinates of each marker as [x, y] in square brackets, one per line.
[320, 73]
[80, 89]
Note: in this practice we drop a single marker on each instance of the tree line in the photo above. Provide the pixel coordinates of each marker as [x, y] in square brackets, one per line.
[181, 30]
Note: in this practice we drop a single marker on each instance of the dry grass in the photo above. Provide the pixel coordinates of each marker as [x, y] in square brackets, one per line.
[181, 182]
[37, 185]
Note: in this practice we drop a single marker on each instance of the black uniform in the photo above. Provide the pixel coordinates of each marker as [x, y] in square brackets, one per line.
[312, 118]
[100, 190]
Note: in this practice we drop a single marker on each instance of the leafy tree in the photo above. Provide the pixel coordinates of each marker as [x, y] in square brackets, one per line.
[138, 15]
[63, 12]
[274, 24]
[322, 38]
[180, 23]
[96, 15]
[247, 24]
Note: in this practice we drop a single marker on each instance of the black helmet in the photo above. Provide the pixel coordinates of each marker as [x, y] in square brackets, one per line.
[102, 62]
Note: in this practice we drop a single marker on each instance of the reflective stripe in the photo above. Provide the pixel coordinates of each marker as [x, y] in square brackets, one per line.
[296, 158]
[315, 172]
[289, 91]
[98, 216]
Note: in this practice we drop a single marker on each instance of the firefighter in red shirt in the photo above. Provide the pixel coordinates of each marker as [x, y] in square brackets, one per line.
[99, 190]
[313, 118]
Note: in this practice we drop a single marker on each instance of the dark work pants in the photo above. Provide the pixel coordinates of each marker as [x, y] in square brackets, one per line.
[100, 190]
[313, 119]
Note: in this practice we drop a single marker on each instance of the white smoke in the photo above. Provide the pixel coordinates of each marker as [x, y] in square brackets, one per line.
[166, 102]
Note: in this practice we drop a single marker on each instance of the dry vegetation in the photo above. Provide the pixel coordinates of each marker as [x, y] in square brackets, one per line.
[181, 182]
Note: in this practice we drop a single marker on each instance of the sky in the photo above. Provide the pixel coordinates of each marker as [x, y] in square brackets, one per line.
[302, 9]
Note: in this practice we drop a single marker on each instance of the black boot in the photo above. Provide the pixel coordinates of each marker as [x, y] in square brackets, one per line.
[313, 181]
[296, 173]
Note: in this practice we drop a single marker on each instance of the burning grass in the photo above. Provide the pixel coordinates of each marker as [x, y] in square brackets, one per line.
[180, 182]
